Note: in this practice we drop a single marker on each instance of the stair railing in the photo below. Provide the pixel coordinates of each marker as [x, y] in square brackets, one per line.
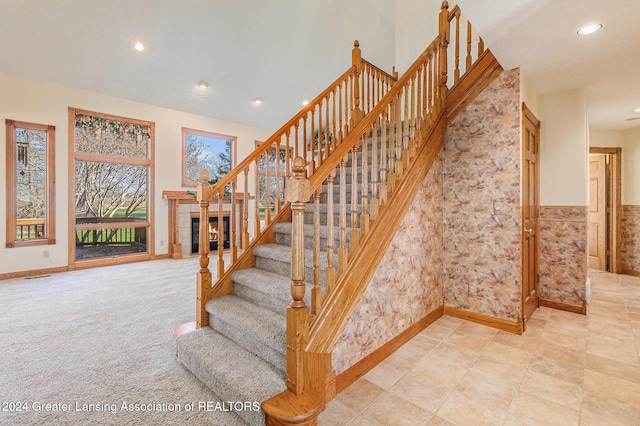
[254, 189]
[398, 127]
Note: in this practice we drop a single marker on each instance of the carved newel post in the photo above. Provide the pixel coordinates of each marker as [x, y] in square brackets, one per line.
[357, 114]
[203, 278]
[297, 193]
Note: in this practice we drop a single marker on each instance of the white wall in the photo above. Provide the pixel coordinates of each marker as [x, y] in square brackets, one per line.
[38, 102]
[629, 141]
[528, 95]
[564, 149]
[416, 27]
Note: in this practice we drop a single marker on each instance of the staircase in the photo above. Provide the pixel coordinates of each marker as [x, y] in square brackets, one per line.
[253, 343]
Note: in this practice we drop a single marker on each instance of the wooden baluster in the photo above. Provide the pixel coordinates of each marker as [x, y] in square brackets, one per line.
[258, 196]
[321, 140]
[368, 76]
[373, 207]
[442, 55]
[391, 178]
[203, 277]
[245, 212]
[287, 157]
[468, 62]
[277, 177]
[296, 142]
[233, 223]
[456, 72]
[330, 273]
[334, 140]
[356, 61]
[316, 291]
[419, 117]
[267, 187]
[340, 133]
[480, 47]
[342, 249]
[305, 148]
[353, 241]
[364, 216]
[327, 128]
[412, 122]
[383, 158]
[314, 143]
[398, 138]
[430, 88]
[220, 233]
[405, 128]
[297, 193]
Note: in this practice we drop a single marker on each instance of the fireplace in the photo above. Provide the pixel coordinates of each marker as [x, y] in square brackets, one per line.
[213, 233]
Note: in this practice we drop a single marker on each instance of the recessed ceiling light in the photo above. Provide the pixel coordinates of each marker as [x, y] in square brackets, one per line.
[305, 102]
[637, 109]
[139, 47]
[589, 29]
[257, 101]
[203, 84]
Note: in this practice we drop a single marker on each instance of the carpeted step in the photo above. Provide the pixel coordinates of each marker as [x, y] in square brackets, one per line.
[277, 258]
[324, 208]
[230, 371]
[255, 328]
[283, 235]
[264, 288]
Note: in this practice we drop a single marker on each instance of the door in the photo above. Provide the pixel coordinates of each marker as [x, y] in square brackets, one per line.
[530, 212]
[598, 212]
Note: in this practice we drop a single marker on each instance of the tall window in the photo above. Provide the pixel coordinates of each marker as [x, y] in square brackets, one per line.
[30, 184]
[213, 152]
[112, 180]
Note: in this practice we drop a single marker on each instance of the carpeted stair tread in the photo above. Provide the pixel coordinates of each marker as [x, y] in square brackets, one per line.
[229, 370]
[282, 253]
[256, 328]
[286, 228]
[263, 288]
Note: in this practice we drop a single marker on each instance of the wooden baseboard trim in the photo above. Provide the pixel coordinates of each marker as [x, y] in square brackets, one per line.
[631, 272]
[33, 273]
[161, 256]
[578, 309]
[360, 368]
[499, 323]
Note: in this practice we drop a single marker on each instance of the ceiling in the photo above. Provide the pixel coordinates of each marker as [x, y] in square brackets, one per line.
[540, 37]
[88, 44]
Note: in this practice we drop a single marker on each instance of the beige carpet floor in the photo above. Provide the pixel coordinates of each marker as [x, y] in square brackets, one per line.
[95, 347]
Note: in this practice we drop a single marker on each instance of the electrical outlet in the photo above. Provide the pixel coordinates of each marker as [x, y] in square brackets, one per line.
[45, 254]
[472, 289]
[161, 243]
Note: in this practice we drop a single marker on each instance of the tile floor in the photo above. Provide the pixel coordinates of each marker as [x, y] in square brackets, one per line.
[567, 369]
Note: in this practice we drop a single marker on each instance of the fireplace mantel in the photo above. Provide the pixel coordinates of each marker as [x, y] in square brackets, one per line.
[176, 198]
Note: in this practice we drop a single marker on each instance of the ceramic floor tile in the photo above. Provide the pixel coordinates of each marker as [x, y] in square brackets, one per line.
[421, 391]
[561, 353]
[477, 330]
[336, 414]
[475, 413]
[455, 355]
[423, 342]
[499, 371]
[615, 349]
[385, 375]
[554, 368]
[390, 409]
[440, 370]
[598, 409]
[360, 394]
[406, 356]
[449, 322]
[486, 390]
[466, 341]
[612, 387]
[547, 387]
[539, 411]
[439, 421]
[500, 352]
[437, 331]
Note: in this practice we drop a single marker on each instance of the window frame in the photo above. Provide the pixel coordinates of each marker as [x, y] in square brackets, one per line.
[185, 130]
[49, 220]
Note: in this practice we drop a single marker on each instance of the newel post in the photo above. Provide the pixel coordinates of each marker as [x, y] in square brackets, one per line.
[203, 277]
[444, 29]
[298, 194]
[356, 61]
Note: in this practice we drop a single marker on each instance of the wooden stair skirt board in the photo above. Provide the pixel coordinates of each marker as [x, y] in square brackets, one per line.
[501, 324]
[367, 363]
[578, 309]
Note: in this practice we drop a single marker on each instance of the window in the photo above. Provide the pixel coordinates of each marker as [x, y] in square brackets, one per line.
[112, 178]
[208, 151]
[30, 184]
